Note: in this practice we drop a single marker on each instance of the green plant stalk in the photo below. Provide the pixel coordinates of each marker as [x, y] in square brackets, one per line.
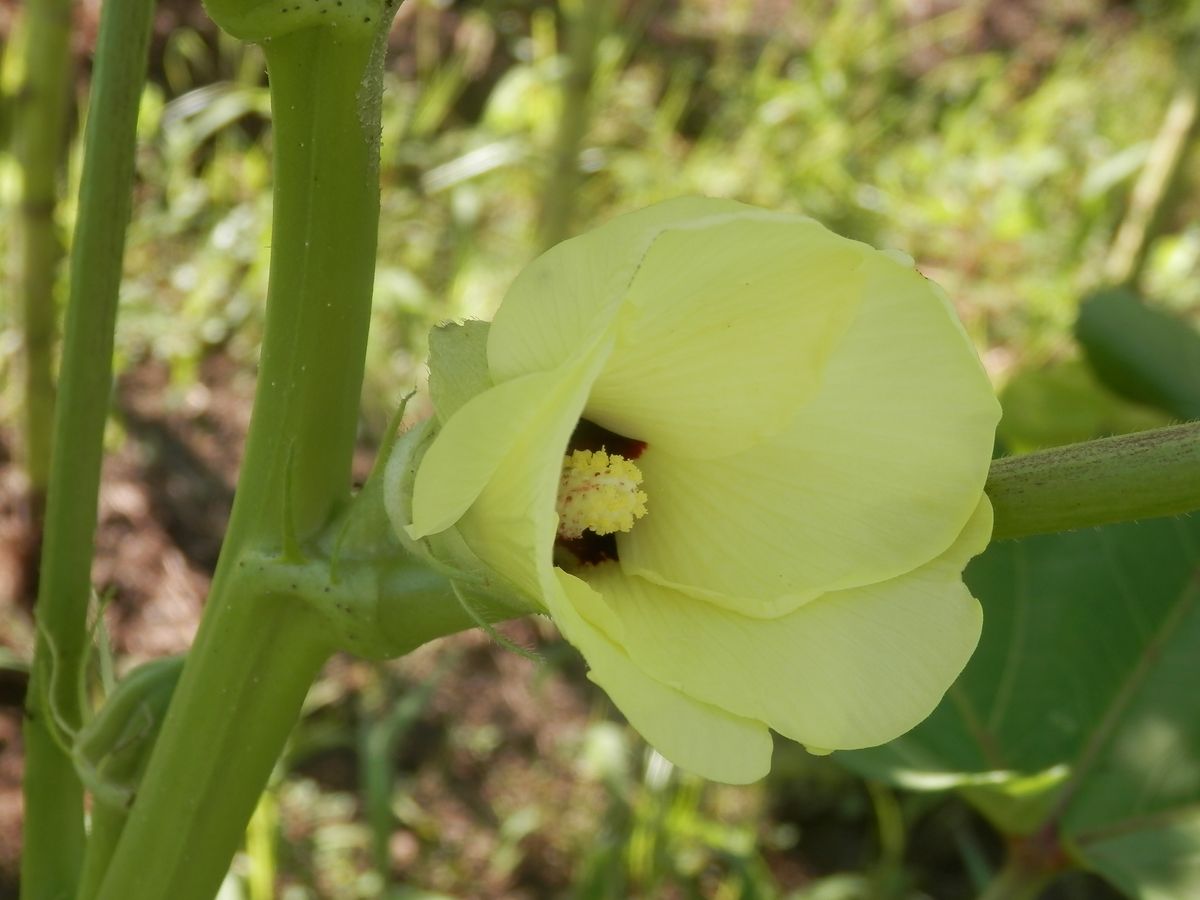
[110, 753]
[258, 649]
[587, 25]
[1118, 479]
[39, 145]
[1152, 192]
[221, 737]
[261, 837]
[54, 835]
[106, 827]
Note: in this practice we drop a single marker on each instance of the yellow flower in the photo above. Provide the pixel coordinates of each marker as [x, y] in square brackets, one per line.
[740, 461]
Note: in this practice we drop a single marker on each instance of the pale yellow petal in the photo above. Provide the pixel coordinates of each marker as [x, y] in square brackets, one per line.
[458, 464]
[572, 291]
[851, 669]
[695, 736]
[512, 522]
[875, 475]
[494, 431]
[731, 325]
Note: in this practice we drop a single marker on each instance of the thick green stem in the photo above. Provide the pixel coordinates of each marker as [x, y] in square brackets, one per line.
[258, 649]
[239, 698]
[40, 143]
[325, 95]
[54, 837]
[1119, 479]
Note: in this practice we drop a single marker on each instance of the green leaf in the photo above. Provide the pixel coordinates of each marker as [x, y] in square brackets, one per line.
[1142, 353]
[458, 366]
[1064, 403]
[1080, 713]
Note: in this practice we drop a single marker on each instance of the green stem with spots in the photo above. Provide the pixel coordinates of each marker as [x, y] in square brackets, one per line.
[260, 646]
[1118, 479]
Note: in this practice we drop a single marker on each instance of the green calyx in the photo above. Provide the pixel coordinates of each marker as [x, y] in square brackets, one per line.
[380, 593]
[373, 608]
[492, 597]
[458, 371]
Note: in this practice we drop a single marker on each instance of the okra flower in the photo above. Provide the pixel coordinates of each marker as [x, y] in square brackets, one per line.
[740, 461]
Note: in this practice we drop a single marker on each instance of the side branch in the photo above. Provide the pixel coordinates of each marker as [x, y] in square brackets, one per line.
[1119, 479]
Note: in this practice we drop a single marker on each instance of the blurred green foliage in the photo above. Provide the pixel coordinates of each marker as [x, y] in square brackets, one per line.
[995, 142]
[995, 147]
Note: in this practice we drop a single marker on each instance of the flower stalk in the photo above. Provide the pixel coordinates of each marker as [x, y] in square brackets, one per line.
[1118, 479]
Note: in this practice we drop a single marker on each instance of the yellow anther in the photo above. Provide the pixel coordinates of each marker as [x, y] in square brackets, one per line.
[598, 491]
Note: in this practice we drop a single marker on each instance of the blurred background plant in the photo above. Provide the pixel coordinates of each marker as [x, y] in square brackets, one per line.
[1027, 154]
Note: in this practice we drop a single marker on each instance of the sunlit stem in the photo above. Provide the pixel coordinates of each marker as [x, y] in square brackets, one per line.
[261, 847]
